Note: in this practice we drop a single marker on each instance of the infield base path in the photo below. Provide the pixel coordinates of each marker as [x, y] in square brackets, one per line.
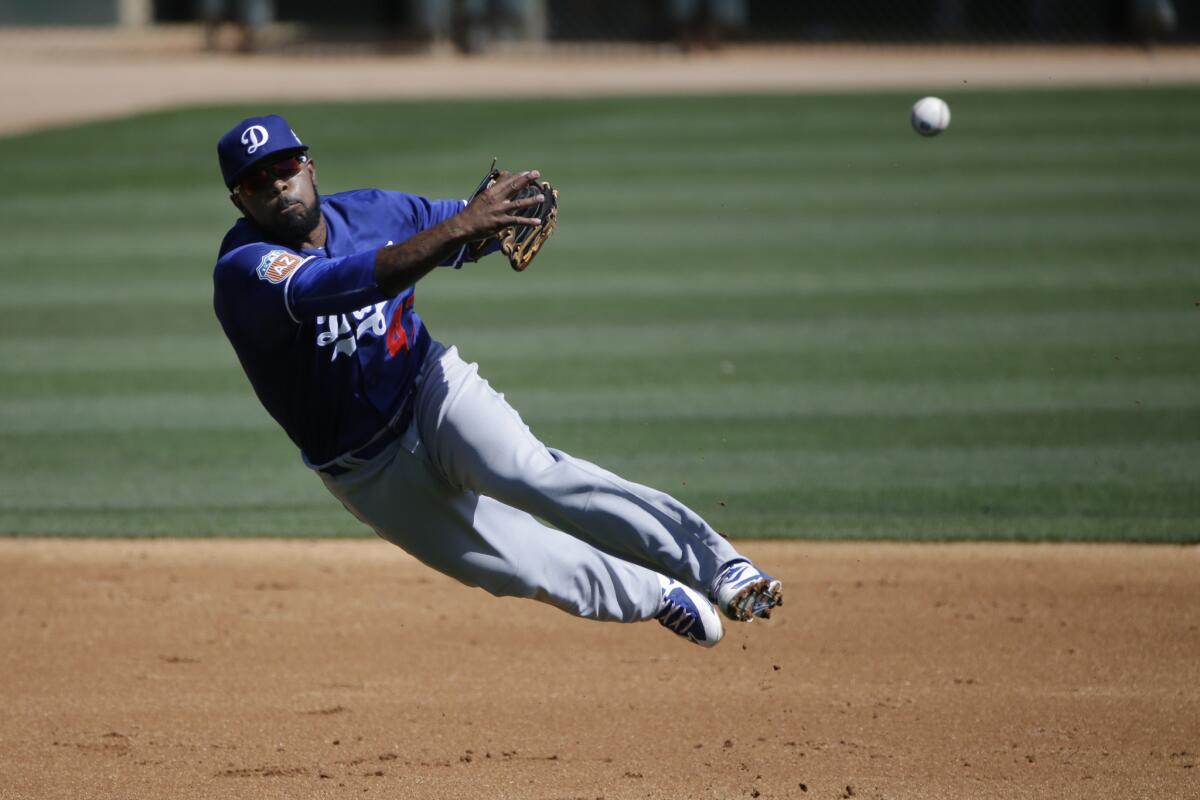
[277, 669]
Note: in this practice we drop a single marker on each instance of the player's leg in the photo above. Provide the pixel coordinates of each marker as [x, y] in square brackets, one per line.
[483, 542]
[480, 443]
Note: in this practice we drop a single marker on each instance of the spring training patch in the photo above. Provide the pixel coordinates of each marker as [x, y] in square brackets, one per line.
[277, 265]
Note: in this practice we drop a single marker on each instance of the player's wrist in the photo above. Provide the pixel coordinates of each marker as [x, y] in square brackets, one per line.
[458, 232]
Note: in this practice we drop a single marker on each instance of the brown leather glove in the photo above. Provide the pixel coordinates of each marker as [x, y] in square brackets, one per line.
[521, 243]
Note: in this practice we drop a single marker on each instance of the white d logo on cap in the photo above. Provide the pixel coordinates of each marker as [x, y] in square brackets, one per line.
[255, 136]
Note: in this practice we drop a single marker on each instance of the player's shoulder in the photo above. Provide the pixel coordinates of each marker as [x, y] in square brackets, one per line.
[402, 213]
[368, 195]
[368, 198]
[241, 239]
[256, 259]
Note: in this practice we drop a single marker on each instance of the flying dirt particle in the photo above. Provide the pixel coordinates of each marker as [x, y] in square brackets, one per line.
[325, 712]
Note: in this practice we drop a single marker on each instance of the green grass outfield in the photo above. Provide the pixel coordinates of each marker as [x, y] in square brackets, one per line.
[790, 311]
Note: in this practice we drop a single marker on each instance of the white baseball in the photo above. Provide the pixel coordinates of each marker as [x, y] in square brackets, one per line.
[930, 116]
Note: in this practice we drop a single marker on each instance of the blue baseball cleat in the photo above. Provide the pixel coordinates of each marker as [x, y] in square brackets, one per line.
[742, 591]
[687, 613]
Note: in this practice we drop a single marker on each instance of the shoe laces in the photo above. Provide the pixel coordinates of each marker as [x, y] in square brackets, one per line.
[676, 617]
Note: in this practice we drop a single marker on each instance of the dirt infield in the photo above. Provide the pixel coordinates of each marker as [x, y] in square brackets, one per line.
[62, 77]
[274, 669]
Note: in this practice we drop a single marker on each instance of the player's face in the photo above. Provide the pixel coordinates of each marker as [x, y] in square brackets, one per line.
[281, 197]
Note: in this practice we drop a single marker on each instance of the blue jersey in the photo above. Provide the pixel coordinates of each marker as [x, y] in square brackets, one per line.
[329, 355]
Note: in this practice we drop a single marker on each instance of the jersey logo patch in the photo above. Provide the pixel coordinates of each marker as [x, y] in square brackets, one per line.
[277, 265]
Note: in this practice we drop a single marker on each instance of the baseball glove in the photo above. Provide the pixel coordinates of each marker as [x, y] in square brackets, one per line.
[521, 243]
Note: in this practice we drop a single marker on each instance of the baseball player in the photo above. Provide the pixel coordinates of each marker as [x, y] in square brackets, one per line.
[316, 296]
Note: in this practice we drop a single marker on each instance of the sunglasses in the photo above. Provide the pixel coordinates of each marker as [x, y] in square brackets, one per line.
[263, 177]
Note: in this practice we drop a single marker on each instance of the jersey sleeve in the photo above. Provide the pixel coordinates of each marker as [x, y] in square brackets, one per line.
[268, 287]
[422, 213]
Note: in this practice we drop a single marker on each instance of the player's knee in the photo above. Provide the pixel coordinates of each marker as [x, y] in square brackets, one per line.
[521, 480]
[557, 475]
[497, 575]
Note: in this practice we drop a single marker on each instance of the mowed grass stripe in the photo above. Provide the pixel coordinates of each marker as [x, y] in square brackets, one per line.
[1076, 501]
[1015, 203]
[140, 413]
[597, 439]
[826, 227]
[1031, 281]
[824, 159]
[798, 434]
[695, 369]
[679, 260]
[154, 488]
[898, 229]
[902, 467]
[902, 305]
[948, 331]
[913, 364]
[189, 411]
[606, 195]
[1093, 511]
[115, 351]
[903, 272]
[714, 472]
[785, 399]
[1143, 523]
[315, 519]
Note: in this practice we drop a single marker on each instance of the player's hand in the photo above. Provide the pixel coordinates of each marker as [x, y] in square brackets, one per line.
[496, 207]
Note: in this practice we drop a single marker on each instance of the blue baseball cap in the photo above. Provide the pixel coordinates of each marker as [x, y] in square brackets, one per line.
[253, 140]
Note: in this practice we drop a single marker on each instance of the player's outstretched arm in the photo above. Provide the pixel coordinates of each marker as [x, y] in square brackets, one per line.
[399, 266]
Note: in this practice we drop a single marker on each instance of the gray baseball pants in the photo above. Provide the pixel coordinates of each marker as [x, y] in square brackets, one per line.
[463, 488]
